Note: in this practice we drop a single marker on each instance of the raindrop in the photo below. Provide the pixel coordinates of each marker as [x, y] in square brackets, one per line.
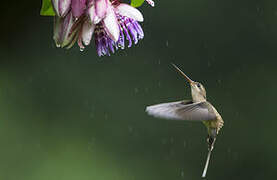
[46, 70]
[30, 80]
[209, 64]
[166, 43]
[130, 129]
[38, 145]
[164, 140]
[82, 49]
[171, 140]
[58, 45]
[91, 143]
[171, 152]
[229, 150]
[182, 173]
[185, 144]
[136, 90]
[235, 156]
[238, 70]
[91, 115]
[159, 84]
[260, 11]
[146, 89]
[86, 103]
[43, 90]
[120, 46]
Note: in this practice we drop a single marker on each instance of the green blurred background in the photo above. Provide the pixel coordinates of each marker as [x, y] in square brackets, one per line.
[68, 115]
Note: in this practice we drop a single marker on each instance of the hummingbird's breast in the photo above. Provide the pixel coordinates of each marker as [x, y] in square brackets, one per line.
[218, 122]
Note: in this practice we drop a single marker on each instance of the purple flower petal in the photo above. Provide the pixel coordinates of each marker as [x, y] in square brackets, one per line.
[104, 44]
[138, 29]
[133, 31]
[120, 43]
[78, 7]
[110, 45]
[127, 35]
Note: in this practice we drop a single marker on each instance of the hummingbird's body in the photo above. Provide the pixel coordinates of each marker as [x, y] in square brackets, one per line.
[197, 109]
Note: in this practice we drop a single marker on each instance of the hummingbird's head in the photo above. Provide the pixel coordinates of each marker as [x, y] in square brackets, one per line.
[198, 91]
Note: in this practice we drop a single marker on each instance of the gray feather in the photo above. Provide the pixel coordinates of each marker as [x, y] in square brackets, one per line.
[182, 110]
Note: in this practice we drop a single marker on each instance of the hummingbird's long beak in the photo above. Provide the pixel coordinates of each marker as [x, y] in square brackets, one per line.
[180, 71]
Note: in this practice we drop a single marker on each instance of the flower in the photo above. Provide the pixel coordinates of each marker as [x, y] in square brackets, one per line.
[152, 3]
[110, 22]
[61, 7]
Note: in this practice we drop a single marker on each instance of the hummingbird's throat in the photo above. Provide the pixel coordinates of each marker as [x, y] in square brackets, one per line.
[197, 97]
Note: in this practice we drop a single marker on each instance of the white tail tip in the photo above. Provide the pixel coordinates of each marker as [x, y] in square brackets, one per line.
[207, 164]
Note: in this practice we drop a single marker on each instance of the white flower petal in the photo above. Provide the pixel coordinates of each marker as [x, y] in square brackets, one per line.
[91, 13]
[87, 31]
[111, 25]
[129, 11]
[96, 20]
[64, 6]
[101, 8]
[55, 4]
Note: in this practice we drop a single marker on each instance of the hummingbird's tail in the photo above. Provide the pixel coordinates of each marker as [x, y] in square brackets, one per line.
[211, 141]
[207, 163]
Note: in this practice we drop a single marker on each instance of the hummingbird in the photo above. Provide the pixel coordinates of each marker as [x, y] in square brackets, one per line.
[197, 109]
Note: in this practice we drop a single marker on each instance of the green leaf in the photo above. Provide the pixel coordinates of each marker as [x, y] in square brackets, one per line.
[136, 3]
[46, 8]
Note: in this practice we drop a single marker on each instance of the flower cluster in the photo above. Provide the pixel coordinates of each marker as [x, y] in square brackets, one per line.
[110, 22]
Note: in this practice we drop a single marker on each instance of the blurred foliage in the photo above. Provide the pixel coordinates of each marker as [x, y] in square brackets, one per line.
[136, 3]
[46, 8]
[71, 115]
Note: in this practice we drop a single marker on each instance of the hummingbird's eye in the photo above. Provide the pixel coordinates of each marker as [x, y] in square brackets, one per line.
[198, 85]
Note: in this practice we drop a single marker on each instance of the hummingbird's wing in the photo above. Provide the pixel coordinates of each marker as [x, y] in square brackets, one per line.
[182, 110]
